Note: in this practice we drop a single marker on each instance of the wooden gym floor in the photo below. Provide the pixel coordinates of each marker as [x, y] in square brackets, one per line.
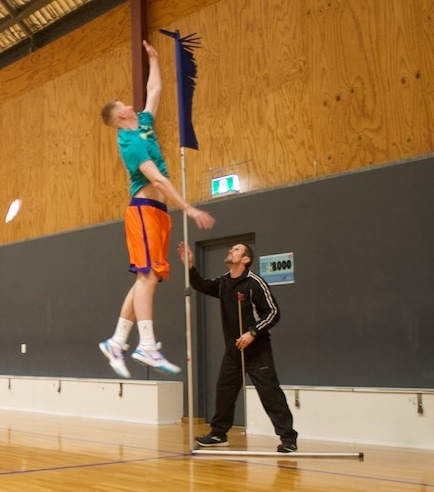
[43, 453]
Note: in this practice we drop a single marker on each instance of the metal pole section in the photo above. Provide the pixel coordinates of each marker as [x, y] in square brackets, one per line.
[243, 364]
[296, 454]
[187, 294]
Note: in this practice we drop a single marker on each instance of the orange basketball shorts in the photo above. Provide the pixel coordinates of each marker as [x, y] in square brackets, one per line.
[147, 229]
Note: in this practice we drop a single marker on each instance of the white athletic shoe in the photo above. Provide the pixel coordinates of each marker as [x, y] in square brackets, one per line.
[154, 357]
[116, 356]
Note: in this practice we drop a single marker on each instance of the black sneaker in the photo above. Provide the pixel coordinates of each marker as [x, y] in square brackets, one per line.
[212, 440]
[287, 447]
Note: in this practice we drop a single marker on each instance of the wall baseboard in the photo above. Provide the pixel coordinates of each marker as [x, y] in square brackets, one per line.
[147, 402]
[386, 417]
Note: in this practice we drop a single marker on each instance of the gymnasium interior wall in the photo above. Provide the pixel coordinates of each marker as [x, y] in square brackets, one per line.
[326, 113]
[359, 313]
[286, 91]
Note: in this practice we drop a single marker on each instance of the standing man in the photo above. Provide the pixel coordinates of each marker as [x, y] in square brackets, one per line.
[259, 313]
[147, 223]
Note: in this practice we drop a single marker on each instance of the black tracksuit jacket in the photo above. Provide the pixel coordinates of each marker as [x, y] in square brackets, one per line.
[259, 309]
[259, 312]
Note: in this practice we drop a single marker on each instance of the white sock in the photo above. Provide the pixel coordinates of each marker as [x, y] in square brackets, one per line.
[122, 331]
[146, 333]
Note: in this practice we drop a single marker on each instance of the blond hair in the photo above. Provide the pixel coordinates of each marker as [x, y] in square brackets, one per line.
[107, 112]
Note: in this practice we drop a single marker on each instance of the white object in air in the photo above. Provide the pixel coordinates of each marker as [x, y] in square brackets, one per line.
[13, 209]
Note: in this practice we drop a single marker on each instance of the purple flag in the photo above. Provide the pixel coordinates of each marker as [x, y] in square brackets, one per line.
[186, 72]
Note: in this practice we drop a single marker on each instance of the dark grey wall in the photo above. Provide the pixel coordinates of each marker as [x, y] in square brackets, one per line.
[60, 295]
[360, 312]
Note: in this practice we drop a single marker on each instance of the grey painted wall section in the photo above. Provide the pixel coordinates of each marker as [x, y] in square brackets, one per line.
[360, 312]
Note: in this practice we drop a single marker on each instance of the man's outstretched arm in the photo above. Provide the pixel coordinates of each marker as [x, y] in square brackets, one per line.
[154, 84]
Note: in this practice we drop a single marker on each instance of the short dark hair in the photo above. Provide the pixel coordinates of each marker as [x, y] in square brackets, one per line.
[107, 112]
[249, 253]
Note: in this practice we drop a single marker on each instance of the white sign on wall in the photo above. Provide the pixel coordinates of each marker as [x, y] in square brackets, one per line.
[277, 269]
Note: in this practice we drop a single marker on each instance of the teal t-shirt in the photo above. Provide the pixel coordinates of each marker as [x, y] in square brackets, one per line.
[138, 146]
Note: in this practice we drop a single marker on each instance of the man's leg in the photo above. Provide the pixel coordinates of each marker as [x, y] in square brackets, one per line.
[127, 309]
[227, 389]
[114, 348]
[144, 290]
[143, 302]
[262, 372]
[148, 351]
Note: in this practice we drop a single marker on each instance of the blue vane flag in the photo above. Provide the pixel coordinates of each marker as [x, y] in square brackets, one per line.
[186, 73]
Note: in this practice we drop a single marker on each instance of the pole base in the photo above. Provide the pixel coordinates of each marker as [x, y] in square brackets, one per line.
[275, 454]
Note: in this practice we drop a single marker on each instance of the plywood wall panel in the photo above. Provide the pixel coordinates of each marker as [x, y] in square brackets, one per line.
[286, 91]
[295, 90]
[56, 154]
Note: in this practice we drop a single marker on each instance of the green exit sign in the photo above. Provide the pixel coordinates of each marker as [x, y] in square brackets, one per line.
[225, 185]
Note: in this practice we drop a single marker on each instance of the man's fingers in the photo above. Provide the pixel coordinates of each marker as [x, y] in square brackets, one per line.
[207, 220]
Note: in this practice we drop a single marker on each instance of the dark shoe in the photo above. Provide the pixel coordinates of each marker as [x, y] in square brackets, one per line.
[287, 447]
[212, 439]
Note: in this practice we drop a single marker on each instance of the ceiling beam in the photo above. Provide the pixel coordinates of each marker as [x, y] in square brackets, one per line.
[12, 14]
[57, 29]
[20, 15]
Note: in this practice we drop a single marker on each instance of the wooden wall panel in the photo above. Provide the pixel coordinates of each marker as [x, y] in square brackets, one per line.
[295, 90]
[367, 85]
[287, 91]
[56, 154]
[162, 13]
